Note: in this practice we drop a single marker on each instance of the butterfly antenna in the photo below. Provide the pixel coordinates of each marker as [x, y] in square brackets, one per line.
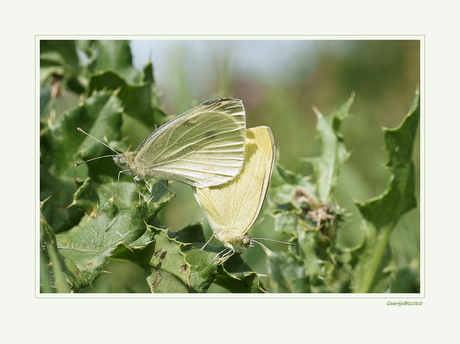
[80, 129]
[266, 249]
[280, 242]
[99, 157]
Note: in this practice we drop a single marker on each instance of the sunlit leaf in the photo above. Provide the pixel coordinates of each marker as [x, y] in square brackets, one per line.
[383, 212]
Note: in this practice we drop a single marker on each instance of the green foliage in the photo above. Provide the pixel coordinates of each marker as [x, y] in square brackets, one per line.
[318, 264]
[382, 213]
[302, 210]
[86, 250]
[84, 224]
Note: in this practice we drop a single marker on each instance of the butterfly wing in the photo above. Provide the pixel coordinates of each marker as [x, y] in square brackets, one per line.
[232, 208]
[204, 146]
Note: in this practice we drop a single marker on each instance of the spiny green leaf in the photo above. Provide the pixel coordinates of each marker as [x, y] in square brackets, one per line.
[234, 275]
[328, 165]
[86, 197]
[100, 115]
[287, 222]
[301, 209]
[287, 273]
[162, 260]
[203, 265]
[382, 213]
[53, 277]
[116, 55]
[147, 75]
[283, 184]
[172, 261]
[399, 197]
[161, 281]
[59, 57]
[60, 146]
[237, 277]
[137, 99]
[307, 250]
[55, 210]
[87, 249]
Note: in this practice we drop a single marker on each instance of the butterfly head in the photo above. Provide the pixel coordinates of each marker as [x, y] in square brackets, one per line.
[120, 160]
[246, 242]
[237, 243]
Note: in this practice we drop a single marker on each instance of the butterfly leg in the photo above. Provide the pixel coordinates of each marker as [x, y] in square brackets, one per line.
[217, 255]
[138, 189]
[118, 182]
[169, 190]
[212, 236]
[227, 255]
[148, 188]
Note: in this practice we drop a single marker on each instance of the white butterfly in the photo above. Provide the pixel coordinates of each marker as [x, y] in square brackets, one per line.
[203, 147]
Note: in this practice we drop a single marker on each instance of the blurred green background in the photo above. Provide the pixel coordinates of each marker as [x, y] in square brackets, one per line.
[279, 82]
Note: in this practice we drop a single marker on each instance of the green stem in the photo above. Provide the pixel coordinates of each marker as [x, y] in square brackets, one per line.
[372, 257]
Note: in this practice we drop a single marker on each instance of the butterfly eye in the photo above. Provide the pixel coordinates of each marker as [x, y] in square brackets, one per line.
[120, 160]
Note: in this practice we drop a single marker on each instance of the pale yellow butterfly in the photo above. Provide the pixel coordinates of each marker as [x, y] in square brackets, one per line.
[203, 147]
[232, 208]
